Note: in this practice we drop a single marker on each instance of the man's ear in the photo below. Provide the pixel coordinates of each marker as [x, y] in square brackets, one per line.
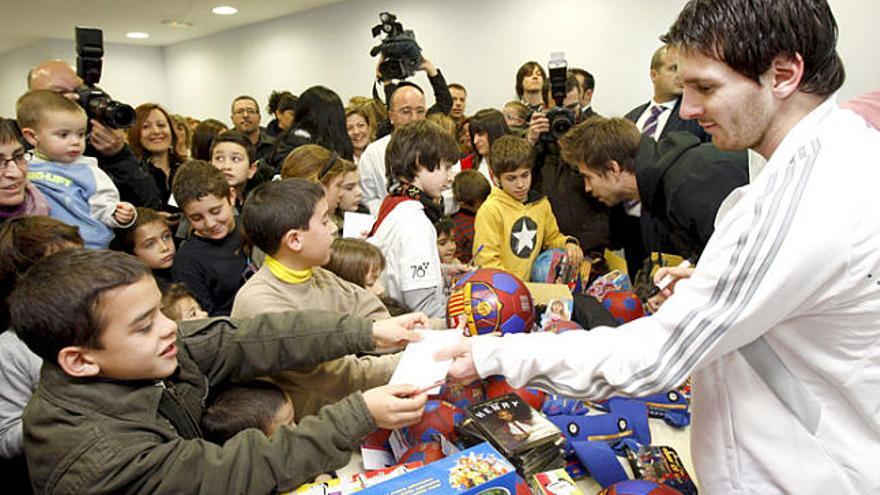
[786, 72]
[292, 240]
[78, 362]
[653, 74]
[615, 168]
[29, 135]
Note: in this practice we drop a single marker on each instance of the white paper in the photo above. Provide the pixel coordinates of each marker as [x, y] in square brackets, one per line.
[357, 225]
[417, 366]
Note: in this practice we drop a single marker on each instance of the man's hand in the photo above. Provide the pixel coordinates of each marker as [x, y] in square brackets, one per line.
[395, 406]
[428, 67]
[124, 213]
[463, 367]
[396, 332]
[106, 141]
[537, 126]
[575, 255]
[677, 273]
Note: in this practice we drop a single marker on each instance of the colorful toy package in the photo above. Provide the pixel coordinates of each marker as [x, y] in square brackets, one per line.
[470, 472]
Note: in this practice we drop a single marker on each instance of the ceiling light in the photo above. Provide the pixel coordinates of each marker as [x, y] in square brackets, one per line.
[137, 35]
[177, 24]
[224, 10]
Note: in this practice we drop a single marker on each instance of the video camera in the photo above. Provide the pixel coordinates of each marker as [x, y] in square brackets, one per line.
[401, 54]
[561, 119]
[97, 104]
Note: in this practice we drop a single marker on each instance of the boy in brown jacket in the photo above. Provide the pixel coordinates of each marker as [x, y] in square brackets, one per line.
[122, 387]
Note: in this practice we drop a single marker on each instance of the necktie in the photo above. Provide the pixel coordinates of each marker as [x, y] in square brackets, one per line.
[650, 127]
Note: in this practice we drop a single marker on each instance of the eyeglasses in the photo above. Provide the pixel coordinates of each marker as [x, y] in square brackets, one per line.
[20, 159]
[242, 111]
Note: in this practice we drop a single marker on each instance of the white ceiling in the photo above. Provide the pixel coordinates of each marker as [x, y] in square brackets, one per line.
[26, 21]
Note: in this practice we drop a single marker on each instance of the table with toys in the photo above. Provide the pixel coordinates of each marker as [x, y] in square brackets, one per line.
[553, 444]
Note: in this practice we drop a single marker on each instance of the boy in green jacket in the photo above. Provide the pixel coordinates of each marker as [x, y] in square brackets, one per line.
[122, 387]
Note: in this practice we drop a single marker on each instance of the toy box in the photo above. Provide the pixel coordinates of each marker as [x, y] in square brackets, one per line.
[480, 470]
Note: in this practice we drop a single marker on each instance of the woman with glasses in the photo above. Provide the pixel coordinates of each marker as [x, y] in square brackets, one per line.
[17, 196]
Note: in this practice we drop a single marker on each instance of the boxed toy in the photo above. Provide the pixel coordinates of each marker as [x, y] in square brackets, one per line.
[478, 470]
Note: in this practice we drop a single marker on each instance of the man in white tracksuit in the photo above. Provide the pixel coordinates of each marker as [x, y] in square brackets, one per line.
[780, 322]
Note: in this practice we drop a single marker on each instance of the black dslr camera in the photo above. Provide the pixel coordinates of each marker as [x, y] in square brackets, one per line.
[561, 118]
[97, 104]
[401, 54]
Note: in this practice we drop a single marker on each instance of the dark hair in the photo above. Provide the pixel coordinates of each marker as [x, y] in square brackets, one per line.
[281, 101]
[444, 225]
[274, 208]
[134, 133]
[244, 97]
[235, 408]
[510, 153]
[9, 132]
[490, 121]
[197, 179]
[748, 35]
[394, 307]
[23, 242]
[589, 81]
[235, 137]
[172, 293]
[525, 71]
[204, 136]
[470, 187]
[457, 86]
[125, 238]
[598, 140]
[320, 112]
[415, 145]
[351, 259]
[58, 301]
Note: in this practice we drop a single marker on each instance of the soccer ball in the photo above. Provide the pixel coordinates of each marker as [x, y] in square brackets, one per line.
[496, 386]
[490, 301]
[439, 418]
[639, 487]
[427, 452]
[463, 395]
[623, 305]
[562, 326]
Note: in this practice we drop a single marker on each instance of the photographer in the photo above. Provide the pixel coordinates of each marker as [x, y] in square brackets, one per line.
[442, 95]
[106, 144]
[577, 213]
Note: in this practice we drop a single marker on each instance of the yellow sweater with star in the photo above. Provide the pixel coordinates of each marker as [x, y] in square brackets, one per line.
[513, 233]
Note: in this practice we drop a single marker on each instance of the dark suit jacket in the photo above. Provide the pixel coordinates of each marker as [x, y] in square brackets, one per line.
[674, 123]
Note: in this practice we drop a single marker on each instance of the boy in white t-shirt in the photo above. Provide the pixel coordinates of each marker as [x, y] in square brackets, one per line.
[419, 155]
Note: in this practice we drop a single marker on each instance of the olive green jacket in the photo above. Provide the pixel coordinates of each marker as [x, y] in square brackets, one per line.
[103, 436]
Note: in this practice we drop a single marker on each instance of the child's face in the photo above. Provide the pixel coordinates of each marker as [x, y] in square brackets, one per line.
[187, 308]
[283, 417]
[373, 283]
[332, 191]
[138, 342]
[156, 133]
[434, 182]
[481, 143]
[516, 183]
[349, 192]
[556, 307]
[232, 160]
[61, 136]
[154, 244]
[446, 247]
[317, 240]
[210, 216]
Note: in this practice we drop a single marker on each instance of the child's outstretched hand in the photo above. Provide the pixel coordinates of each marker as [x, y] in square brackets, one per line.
[395, 406]
[575, 254]
[463, 367]
[124, 213]
[396, 332]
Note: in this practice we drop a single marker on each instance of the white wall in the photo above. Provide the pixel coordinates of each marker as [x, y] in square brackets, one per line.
[132, 74]
[479, 43]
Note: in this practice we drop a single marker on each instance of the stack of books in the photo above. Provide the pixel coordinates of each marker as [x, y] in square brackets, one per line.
[525, 437]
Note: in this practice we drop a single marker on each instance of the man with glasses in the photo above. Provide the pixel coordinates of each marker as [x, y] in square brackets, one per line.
[406, 104]
[246, 120]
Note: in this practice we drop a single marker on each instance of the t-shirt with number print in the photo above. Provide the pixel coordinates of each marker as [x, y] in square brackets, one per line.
[412, 263]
